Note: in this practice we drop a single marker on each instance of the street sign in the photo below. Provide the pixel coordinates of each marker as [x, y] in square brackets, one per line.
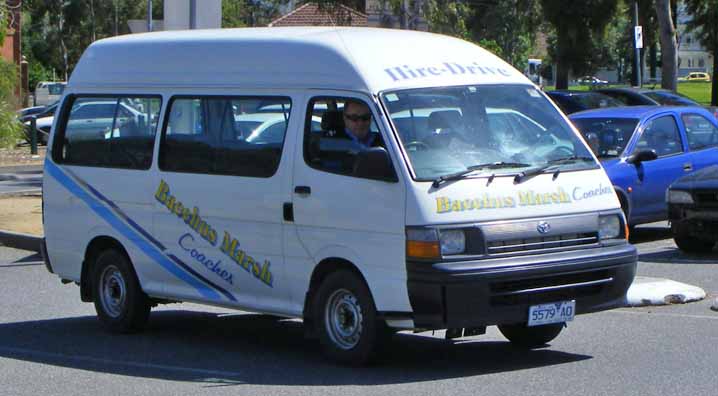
[638, 34]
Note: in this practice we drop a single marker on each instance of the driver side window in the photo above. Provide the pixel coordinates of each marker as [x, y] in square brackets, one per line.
[339, 134]
[662, 135]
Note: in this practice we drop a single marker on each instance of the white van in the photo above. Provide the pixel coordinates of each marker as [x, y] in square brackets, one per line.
[467, 201]
[48, 92]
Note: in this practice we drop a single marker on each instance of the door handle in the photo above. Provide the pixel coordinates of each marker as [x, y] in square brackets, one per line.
[303, 190]
[688, 167]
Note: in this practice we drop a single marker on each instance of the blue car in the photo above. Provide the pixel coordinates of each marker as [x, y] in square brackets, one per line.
[646, 148]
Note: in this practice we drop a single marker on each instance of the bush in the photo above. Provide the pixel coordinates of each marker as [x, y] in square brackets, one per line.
[10, 127]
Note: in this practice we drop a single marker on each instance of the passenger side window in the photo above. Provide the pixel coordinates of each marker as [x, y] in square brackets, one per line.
[114, 132]
[701, 133]
[240, 136]
[340, 136]
[661, 134]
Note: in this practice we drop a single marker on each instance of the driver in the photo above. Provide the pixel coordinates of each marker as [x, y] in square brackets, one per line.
[357, 120]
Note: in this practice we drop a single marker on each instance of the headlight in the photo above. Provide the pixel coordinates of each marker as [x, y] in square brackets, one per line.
[430, 243]
[609, 227]
[452, 241]
[681, 197]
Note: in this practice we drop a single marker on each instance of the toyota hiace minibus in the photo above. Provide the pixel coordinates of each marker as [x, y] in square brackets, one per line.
[364, 180]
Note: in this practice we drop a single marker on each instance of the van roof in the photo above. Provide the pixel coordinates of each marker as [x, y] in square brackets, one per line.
[363, 59]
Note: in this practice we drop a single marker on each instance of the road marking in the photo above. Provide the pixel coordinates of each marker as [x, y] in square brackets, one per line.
[625, 311]
[87, 359]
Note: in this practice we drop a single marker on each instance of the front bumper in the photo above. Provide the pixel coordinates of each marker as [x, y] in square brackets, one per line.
[500, 291]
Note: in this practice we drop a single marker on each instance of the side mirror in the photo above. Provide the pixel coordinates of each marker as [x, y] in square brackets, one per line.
[641, 156]
[374, 163]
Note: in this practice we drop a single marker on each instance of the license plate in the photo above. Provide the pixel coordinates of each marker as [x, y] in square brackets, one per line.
[557, 312]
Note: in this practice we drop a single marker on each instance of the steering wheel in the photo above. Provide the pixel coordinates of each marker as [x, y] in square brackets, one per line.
[417, 145]
[560, 152]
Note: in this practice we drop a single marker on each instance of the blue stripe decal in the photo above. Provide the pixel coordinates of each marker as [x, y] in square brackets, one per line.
[142, 231]
[128, 233]
[117, 211]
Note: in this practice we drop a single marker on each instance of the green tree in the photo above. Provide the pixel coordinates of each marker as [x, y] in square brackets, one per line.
[58, 31]
[449, 17]
[705, 26]
[249, 13]
[10, 128]
[578, 26]
[512, 24]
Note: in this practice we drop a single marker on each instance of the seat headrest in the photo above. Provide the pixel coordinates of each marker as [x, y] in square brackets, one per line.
[443, 119]
[333, 120]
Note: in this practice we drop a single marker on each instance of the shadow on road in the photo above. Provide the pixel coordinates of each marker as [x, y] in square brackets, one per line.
[676, 256]
[252, 349]
[649, 233]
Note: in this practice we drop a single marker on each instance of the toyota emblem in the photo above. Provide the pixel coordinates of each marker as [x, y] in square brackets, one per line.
[543, 227]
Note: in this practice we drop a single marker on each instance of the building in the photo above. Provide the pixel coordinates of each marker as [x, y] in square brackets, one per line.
[692, 56]
[310, 14]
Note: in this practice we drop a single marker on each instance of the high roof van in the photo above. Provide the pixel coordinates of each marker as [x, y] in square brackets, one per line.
[367, 181]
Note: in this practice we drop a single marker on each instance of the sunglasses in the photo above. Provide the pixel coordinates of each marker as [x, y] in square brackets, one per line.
[357, 117]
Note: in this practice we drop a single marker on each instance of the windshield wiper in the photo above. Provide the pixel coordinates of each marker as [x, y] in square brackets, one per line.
[554, 163]
[489, 165]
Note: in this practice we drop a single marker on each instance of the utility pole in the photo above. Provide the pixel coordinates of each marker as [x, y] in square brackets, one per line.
[637, 44]
[193, 14]
[149, 15]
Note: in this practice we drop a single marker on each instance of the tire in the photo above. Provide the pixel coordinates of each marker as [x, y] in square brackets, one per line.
[693, 245]
[345, 319]
[121, 305]
[530, 337]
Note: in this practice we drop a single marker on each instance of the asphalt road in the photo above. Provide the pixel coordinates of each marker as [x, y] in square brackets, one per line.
[51, 344]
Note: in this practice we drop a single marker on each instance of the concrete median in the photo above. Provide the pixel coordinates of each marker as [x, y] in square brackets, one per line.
[21, 241]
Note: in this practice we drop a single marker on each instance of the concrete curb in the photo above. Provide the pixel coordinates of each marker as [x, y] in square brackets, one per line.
[17, 240]
[658, 291]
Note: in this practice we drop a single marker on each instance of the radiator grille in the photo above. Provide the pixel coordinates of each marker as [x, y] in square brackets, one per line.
[541, 243]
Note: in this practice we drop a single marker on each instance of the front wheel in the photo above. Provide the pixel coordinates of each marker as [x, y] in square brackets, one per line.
[530, 337]
[120, 303]
[346, 319]
[693, 245]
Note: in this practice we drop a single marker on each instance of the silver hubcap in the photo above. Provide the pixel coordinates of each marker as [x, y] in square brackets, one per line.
[113, 291]
[343, 319]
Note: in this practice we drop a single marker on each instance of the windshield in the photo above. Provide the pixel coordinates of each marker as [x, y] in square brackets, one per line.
[607, 137]
[451, 129]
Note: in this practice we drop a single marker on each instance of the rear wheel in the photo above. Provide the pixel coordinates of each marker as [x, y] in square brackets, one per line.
[120, 303]
[346, 319]
[530, 337]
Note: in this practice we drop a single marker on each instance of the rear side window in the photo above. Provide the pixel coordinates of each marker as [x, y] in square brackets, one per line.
[701, 133]
[113, 132]
[240, 136]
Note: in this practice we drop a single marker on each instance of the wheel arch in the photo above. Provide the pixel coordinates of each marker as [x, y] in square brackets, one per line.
[96, 246]
[625, 201]
[325, 267]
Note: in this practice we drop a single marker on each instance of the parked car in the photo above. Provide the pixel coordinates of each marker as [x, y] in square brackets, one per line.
[43, 121]
[101, 112]
[653, 97]
[30, 111]
[573, 101]
[591, 80]
[696, 76]
[646, 148]
[693, 210]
